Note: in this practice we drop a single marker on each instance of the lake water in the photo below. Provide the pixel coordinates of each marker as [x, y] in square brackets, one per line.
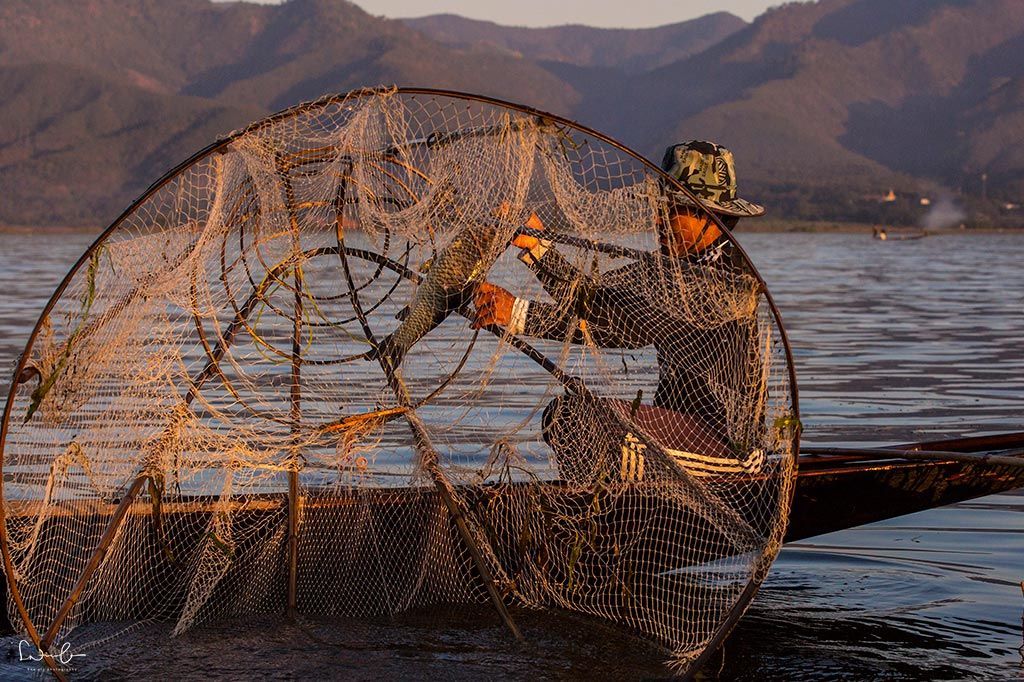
[894, 341]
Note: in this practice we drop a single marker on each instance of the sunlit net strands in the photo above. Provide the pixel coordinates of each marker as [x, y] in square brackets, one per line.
[261, 391]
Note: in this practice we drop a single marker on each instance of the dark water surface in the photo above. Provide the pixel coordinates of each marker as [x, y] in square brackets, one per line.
[894, 341]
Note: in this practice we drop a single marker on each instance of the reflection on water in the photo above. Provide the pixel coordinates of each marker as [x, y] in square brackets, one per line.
[934, 595]
[894, 341]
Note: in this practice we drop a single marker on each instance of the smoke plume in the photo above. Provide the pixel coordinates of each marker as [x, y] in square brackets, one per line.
[943, 213]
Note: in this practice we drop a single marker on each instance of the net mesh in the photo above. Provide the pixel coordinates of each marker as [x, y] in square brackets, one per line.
[263, 388]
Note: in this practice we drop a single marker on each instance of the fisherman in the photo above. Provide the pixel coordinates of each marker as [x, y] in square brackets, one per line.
[615, 310]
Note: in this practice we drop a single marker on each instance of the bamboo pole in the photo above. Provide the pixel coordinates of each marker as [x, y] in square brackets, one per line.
[94, 561]
[52, 665]
[295, 397]
[293, 543]
[156, 493]
[447, 493]
[428, 454]
[588, 244]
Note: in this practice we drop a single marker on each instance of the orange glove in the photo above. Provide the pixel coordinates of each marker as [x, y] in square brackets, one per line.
[524, 241]
[493, 306]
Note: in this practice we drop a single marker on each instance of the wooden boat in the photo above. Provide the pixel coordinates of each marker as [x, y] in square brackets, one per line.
[882, 234]
[838, 491]
[834, 491]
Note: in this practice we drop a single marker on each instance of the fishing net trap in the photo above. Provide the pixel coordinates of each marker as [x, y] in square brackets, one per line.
[262, 390]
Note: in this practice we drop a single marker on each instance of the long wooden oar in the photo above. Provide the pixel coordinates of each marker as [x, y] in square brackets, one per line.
[1006, 449]
[1014, 458]
[999, 441]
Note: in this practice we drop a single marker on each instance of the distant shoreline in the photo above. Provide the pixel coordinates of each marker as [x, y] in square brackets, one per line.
[50, 229]
[808, 226]
[745, 226]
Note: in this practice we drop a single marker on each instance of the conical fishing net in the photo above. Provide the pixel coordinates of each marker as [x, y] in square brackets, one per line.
[262, 391]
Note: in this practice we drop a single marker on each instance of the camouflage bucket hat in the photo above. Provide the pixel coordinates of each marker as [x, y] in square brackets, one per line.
[708, 170]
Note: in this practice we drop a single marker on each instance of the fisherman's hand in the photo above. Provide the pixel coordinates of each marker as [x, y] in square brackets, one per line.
[525, 241]
[493, 306]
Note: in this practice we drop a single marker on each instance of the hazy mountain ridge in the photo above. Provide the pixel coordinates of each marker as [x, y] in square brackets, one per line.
[629, 50]
[164, 43]
[102, 97]
[311, 47]
[81, 150]
[824, 103]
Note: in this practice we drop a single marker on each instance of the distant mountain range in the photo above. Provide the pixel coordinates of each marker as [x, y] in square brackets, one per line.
[629, 50]
[825, 104]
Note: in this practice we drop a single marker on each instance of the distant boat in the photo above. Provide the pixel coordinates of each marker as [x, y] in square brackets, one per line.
[882, 234]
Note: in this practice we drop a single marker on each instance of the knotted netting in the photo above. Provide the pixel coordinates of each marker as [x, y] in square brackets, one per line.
[262, 389]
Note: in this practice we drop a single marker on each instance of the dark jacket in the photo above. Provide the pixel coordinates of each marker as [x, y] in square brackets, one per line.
[697, 316]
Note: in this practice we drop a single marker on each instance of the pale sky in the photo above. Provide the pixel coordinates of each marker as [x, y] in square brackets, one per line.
[605, 13]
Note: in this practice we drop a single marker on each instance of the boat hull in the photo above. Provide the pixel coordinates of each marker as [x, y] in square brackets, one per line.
[832, 493]
[837, 493]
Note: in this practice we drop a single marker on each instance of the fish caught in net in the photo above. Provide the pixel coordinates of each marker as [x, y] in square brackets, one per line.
[264, 389]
